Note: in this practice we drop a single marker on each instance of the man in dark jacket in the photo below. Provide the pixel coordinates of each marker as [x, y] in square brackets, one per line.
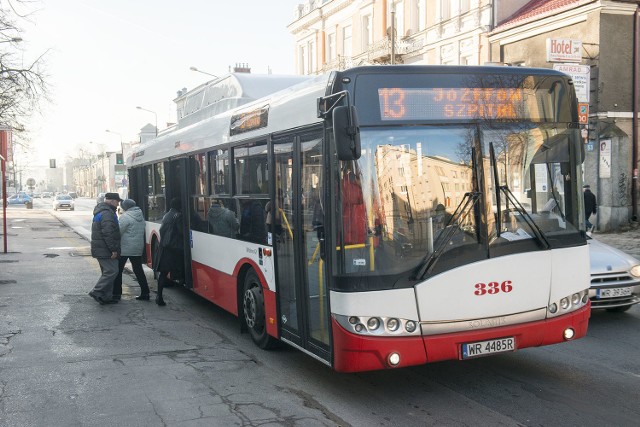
[105, 246]
[590, 205]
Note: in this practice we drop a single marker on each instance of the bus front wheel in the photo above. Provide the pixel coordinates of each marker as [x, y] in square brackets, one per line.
[254, 314]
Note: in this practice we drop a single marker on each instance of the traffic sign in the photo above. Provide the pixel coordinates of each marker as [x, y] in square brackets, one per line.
[583, 113]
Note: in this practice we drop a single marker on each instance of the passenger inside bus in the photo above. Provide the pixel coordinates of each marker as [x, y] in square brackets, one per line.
[354, 217]
[222, 221]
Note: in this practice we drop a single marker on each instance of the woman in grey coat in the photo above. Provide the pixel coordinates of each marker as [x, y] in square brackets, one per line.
[132, 227]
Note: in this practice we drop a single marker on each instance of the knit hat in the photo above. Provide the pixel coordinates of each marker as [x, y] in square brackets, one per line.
[127, 204]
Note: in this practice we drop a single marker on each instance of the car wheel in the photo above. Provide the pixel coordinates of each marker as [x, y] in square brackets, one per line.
[254, 313]
[619, 309]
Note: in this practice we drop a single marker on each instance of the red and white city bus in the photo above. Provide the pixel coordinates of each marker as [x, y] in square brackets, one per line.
[388, 216]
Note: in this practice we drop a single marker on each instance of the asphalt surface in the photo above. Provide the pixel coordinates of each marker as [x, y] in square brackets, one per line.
[67, 361]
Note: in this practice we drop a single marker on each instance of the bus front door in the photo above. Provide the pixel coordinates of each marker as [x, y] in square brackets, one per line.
[296, 221]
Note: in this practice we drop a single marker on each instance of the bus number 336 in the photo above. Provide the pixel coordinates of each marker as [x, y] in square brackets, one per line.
[493, 288]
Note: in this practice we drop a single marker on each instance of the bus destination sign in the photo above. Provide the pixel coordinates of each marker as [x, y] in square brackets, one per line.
[249, 120]
[451, 103]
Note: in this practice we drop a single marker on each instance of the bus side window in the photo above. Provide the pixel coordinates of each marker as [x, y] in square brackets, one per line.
[222, 219]
[252, 220]
[219, 172]
[198, 214]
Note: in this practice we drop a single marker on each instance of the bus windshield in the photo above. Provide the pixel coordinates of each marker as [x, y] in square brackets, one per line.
[428, 194]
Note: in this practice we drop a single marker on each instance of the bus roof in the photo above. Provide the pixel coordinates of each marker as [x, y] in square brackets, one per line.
[291, 107]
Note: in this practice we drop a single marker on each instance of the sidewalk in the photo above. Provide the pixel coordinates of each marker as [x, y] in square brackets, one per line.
[627, 240]
[67, 361]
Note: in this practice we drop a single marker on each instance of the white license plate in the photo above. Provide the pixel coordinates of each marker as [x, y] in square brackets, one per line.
[482, 348]
[613, 292]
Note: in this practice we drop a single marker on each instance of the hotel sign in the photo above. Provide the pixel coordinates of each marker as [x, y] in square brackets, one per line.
[564, 50]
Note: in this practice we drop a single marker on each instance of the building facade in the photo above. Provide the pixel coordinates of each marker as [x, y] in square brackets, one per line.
[597, 43]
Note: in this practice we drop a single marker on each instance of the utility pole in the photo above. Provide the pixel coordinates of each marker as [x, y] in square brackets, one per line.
[393, 33]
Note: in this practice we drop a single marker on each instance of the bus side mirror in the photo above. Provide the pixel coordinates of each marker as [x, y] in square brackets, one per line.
[346, 133]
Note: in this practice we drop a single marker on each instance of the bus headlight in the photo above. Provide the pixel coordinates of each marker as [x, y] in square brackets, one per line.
[410, 326]
[373, 323]
[575, 299]
[379, 325]
[568, 304]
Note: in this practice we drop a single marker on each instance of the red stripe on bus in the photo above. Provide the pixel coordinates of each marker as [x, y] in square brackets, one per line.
[355, 353]
[215, 286]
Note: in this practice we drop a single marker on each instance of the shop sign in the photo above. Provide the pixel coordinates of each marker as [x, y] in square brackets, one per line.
[564, 50]
[581, 76]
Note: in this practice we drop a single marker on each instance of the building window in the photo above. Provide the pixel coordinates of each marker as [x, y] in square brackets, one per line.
[346, 41]
[367, 32]
[422, 14]
[312, 57]
[331, 47]
[465, 6]
[445, 9]
[303, 58]
[467, 60]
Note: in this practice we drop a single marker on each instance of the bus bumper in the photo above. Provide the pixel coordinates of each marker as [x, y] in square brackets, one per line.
[355, 353]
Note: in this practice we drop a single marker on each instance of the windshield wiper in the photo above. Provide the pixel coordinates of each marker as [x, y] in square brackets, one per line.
[511, 198]
[554, 192]
[525, 215]
[469, 200]
[494, 168]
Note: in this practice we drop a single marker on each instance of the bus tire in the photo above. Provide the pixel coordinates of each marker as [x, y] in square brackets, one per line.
[253, 309]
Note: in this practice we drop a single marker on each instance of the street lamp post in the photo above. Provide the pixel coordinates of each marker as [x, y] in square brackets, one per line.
[154, 113]
[192, 68]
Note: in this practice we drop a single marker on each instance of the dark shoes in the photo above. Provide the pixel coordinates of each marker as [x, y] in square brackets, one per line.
[143, 297]
[160, 301]
[101, 300]
[97, 298]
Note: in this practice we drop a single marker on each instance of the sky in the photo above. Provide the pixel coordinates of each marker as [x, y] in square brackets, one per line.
[105, 58]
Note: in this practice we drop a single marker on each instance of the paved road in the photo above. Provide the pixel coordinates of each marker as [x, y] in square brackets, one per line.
[66, 361]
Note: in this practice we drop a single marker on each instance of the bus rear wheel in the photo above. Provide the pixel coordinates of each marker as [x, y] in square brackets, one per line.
[254, 313]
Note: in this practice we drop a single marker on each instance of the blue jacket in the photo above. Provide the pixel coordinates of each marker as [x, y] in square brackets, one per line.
[105, 233]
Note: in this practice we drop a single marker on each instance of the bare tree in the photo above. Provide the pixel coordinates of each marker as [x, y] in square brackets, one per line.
[22, 85]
